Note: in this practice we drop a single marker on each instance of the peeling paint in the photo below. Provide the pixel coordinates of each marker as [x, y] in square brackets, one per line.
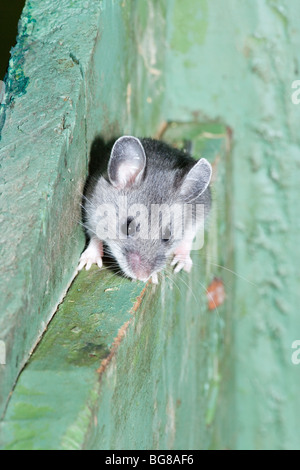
[191, 25]
[215, 294]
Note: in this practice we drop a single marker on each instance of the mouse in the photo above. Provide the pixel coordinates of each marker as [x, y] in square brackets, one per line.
[144, 209]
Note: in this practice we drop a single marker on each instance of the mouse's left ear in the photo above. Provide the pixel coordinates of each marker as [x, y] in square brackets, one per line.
[127, 162]
[196, 181]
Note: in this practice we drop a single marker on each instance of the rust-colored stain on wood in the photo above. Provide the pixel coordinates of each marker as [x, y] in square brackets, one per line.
[138, 301]
[215, 293]
[115, 345]
[121, 333]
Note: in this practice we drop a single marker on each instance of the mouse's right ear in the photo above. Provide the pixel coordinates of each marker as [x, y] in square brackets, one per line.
[127, 162]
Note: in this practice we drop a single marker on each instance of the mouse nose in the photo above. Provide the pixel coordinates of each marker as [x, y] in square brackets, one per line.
[134, 261]
[136, 265]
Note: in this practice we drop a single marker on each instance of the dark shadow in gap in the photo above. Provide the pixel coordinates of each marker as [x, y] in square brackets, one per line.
[99, 157]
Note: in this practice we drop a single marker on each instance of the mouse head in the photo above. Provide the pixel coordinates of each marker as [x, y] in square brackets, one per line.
[149, 216]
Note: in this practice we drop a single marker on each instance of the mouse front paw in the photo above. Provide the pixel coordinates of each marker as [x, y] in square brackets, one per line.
[92, 255]
[182, 260]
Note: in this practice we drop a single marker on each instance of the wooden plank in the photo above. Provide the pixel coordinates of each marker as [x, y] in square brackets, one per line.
[61, 92]
[116, 356]
[237, 65]
[124, 365]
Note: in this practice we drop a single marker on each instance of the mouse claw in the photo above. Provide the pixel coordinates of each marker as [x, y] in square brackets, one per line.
[92, 255]
[86, 261]
[182, 262]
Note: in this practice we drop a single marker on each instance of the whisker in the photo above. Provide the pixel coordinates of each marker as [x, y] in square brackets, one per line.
[211, 298]
[169, 276]
[229, 270]
[88, 200]
[233, 272]
[190, 288]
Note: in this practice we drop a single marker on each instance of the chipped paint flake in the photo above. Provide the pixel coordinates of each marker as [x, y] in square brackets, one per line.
[215, 293]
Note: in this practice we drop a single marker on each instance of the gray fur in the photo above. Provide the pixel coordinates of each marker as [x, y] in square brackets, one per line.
[167, 176]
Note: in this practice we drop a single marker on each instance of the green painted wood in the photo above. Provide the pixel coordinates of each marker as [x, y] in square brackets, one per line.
[128, 366]
[42, 135]
[63, 88]
[58, 389]
[202, 63]
[237, 64]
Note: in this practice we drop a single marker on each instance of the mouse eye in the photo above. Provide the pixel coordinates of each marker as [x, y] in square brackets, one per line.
[130, 227]
[166, 234]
